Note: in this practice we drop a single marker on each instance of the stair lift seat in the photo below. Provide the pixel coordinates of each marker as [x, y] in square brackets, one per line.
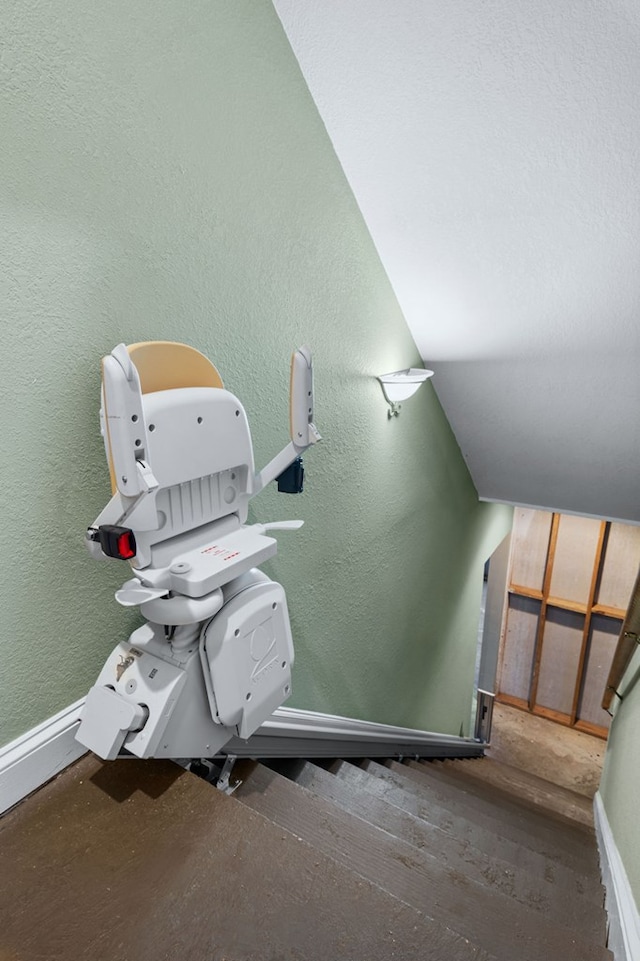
[214, 660]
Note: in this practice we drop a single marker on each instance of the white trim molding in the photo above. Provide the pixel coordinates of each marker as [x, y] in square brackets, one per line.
[40, 754]
[624, 920]
[33, 759]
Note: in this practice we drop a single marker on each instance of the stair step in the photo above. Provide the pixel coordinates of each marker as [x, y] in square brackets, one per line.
[527, 788]
[569, 840]
[480, 787]
[473, 794]
[511, 843]
[559, 899]
[142, 860]
[488, 918]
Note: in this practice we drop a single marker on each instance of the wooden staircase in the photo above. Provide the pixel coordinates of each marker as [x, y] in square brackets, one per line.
[437, 861]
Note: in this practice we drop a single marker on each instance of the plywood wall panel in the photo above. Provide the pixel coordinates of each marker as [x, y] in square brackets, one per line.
[574, 558]
[603, 637]
[531, 531]
[561, 646]
[519, 646]
[621, 562]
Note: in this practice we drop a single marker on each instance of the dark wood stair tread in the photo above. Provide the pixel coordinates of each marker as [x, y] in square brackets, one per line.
[500, 925]
[142, 860]
[566, 838]
[527, 788]
[512, 842]
[483, 788]
[575, 841]
[560, 898]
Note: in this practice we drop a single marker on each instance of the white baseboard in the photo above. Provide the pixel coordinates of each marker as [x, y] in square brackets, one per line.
[624, 920]
[33, 759]
[40, 754]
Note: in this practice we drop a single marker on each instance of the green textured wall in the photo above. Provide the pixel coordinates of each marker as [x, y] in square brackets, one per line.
[620, 784]
[166, 176]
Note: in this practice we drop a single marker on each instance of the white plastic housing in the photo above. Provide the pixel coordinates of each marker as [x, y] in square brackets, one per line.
[123, 421]
[144, 672]
[218, 561]
[195, 432]
[107, 719]
[303, 431]
[247, 654]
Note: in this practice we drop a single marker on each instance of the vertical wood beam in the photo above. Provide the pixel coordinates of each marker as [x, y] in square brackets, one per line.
[546, 586]
[598, 564]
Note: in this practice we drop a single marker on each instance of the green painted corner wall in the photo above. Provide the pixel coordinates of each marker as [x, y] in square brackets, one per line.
[620, 783]
[166, 176]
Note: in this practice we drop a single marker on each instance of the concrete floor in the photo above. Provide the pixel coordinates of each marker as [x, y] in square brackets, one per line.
[556, 753]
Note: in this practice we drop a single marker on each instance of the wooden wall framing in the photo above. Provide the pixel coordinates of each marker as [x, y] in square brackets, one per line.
[570, 579]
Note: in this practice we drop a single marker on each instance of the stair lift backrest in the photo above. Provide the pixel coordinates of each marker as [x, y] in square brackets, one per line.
[164, 409]
[199, 449]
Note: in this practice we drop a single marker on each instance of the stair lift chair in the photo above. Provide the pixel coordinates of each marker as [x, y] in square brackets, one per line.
[214, 659]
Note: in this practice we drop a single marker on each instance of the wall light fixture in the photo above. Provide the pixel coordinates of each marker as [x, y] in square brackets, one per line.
[402, 384]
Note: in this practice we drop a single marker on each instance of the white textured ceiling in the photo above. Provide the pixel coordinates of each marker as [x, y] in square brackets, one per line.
[494, 149]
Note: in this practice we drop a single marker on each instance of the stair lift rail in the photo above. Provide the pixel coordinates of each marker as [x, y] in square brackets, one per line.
[214, 658]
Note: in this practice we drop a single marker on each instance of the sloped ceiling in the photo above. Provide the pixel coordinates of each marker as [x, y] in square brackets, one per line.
[494, 149]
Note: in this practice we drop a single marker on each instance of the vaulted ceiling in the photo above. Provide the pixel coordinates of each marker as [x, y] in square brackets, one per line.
[494, 150]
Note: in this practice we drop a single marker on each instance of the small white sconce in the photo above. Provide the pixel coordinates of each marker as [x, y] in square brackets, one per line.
[402, 384]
